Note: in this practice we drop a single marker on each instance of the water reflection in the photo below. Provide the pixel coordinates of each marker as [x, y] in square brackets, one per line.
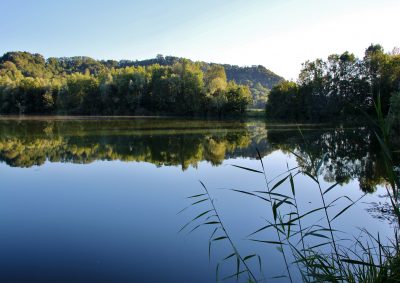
[117, 221]
[349, 152]
[29, 143]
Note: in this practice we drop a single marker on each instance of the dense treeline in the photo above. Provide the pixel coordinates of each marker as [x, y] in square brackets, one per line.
[259, 79]
[29, 84]
[340, 87]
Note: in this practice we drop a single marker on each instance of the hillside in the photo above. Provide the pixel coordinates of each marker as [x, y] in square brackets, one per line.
[258, 78]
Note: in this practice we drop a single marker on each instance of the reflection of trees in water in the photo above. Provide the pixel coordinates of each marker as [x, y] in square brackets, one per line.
[25, 144]
[349, 153]
[382, 210]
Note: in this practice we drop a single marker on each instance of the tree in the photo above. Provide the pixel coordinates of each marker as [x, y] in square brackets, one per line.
[79, 95]
[342, 86]
[238, 98]
[282, 100]
[215, 79]
[82, 85]
[191, 95]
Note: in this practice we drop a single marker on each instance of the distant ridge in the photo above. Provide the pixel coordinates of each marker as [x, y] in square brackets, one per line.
[242, 75]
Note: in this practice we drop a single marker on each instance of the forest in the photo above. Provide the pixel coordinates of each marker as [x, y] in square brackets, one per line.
[259, 79]
[31, 84]
[342, 87]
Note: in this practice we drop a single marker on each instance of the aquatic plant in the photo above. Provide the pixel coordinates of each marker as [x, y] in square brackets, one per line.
[316, 251]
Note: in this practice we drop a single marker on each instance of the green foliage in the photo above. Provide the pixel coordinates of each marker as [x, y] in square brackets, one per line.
[30, 65]
[215, 79]
[340, 87]
[394, 117]
[79, 95]
[258, 78]
[29, 84]
[255, 74]
[282, 101]
[238, 97]
[260, 95]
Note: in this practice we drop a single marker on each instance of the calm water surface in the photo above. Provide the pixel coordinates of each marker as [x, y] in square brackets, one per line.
[96, 200]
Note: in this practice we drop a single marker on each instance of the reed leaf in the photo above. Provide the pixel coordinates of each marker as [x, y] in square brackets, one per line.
[248, 169]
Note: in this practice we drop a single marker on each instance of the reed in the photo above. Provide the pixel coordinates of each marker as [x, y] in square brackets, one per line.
[316, 251]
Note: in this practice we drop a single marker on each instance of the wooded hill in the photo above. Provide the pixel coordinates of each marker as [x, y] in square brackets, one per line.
[258, 78]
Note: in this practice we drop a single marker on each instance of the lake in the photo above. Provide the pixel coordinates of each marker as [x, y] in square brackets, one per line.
[98, 199]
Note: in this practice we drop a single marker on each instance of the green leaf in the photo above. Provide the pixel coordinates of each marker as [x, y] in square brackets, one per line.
[211, 216]
[261, 229]
[273, 194]
[213, 233]
[352, 261]
[195, 196]
[182, 210]
[237, 267]
[316, 235]
[248, 169]
[205, 223]
[342, 211]
[268, 242]
[259, 263]
[204, 186]
[234, 275]
[211, 223]
[217, 272]
[197, 202]
[298, 156]
[259, 156]
[250, 194]
[338, 198]
[195, 228]
[330, 188]
[301, 216]
[229, 256]
[220, 238]
[209, 250]
[197, 217]
[311, 176]
[317, 246]
[278, 277]
[292, 184]
[279, 183]
[282, 201]
[249, 257]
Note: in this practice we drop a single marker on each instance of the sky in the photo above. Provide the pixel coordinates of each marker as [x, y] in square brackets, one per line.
[279, 34]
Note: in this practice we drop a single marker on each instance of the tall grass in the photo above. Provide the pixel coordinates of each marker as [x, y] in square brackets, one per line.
[315, 251]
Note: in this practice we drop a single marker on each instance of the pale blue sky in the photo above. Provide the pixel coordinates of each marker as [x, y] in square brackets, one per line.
[279, 34]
